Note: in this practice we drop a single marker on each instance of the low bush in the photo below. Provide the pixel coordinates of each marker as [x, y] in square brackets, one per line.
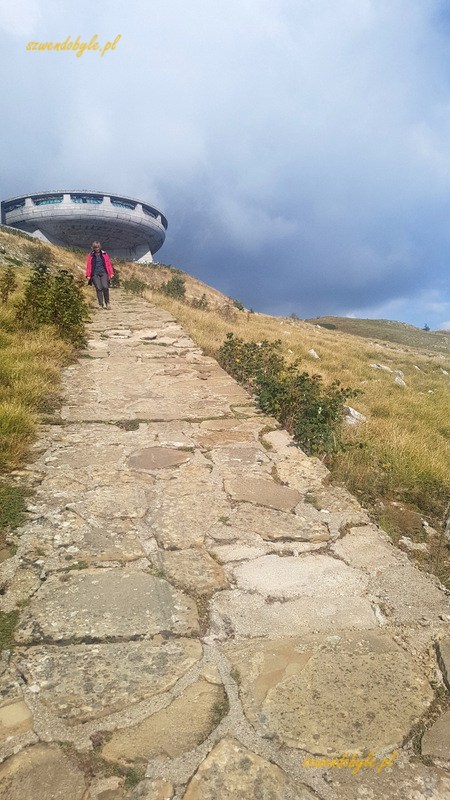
[175, 287]
[200, 302]
[8, 283]
[134, 285]
[311, 412]
[54, 299]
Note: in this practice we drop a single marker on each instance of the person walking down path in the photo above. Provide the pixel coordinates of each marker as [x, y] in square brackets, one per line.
[99, 271]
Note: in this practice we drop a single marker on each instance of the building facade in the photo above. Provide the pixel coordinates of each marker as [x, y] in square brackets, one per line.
[126, 227]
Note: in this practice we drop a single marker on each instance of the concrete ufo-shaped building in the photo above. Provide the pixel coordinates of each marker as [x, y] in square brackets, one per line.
[126, 227]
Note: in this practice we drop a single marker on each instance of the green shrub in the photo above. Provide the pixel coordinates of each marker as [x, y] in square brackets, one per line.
[134, 285]
[200, 302]
[237, 304]
[53, 299]
[115, 280]
[311, 412]
[39, 254]
[8, 284]
[174, 288]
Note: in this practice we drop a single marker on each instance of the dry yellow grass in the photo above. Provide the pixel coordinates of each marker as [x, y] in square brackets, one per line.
[30, 366]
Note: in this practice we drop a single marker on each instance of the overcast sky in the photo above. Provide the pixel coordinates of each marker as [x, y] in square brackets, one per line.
[300, 149]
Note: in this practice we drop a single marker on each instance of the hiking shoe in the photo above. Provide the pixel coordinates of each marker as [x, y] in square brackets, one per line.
[108, 307]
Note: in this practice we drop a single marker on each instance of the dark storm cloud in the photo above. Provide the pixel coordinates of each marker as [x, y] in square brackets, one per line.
[299, 149]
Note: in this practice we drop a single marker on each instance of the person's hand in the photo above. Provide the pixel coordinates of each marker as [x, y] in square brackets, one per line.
[89, 283]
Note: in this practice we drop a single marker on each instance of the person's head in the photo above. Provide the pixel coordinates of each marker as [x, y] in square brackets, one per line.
[96, 246]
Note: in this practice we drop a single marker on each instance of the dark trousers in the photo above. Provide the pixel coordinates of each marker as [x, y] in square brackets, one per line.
[101, 284]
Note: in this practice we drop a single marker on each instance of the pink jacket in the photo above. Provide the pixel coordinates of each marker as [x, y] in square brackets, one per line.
[108, 264]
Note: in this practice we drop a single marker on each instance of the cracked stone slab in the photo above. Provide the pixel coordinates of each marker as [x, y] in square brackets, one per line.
[240, 614]
[41, 772]
[192, 570]
[184, 521]
[272, 525]
[436, 740]
[118, 500]
[61, 539]
[262, 492]
[175, 730]
[232, 772]
[106, 604]
[346, 692]
[85, 682]
[311, 576]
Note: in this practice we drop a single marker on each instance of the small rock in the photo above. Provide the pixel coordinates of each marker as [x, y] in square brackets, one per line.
[313, 353]
[399, 381]
[381, 366]
[421, 547]
[353, 417]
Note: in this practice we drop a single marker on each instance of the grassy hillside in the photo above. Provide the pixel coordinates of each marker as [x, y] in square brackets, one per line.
[389, 331]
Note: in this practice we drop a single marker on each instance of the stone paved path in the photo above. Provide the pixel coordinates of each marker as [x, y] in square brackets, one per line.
[199, 603]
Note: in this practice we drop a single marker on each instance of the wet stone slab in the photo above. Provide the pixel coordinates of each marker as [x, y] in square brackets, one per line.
[106, 605]
[347, 692]
[85, 682]
[232, 772]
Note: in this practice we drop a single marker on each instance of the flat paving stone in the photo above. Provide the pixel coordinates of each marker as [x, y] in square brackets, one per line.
[305, 525]
[436, 740]
[92, 395]
[175, 730]
[192, 570]
[403, 781]
[347, 692]
[15, 718]
[106, 605]
[407, 593]
[41, 773]
[152, 790]
[443, 652]
[182, 522]
[262, 492]
[85, 682]
[232, 772]
[151, 458]
[309, 576]
[241, 614]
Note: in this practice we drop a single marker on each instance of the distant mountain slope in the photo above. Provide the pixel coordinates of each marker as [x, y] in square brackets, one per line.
[387, 330]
